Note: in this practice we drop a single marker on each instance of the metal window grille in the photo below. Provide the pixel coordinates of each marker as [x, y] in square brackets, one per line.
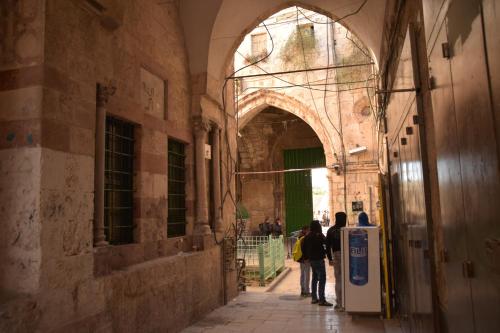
[259, 44]
[118, 184]
[176, 222]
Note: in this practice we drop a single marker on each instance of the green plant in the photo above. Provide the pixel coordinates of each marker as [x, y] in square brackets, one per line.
[300, 50]
[241, 212]
[253, 58]
[358, 55]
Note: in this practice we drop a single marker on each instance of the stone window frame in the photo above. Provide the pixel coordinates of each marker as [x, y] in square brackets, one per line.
[186, 180]
[135, 152]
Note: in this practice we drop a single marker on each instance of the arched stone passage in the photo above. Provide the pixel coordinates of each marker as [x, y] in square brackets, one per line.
[253, 103]
[222, 24]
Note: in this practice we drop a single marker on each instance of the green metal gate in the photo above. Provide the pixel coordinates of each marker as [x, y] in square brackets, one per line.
[298, 185]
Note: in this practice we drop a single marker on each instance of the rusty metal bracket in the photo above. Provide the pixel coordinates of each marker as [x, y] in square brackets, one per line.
[396, 90]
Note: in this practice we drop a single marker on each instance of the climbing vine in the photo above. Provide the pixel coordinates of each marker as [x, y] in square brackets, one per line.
[301, 42]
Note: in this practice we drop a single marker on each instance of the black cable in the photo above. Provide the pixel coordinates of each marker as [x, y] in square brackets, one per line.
[248, 79]
[277, 77]
[307, 74]
[314, 13]
[356, 44]
[326, 81]
[319, 84]
[231, 160]
[337, 20]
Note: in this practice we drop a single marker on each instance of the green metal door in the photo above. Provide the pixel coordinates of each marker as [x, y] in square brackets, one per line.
[298, 185]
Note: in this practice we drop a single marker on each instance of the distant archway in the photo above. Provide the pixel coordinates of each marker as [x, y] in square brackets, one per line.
[252, 104]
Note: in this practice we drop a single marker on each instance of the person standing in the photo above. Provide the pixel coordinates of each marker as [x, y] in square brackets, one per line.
[333, 247]
[265, 227]
[313, 249]
[277, 228]
[305, 266]
[363, 220]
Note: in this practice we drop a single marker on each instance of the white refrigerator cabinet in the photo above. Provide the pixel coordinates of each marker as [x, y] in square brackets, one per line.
[361, 289]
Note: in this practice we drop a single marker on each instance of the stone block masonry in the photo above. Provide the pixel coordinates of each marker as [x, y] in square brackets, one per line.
[52, 277]
[165, 294]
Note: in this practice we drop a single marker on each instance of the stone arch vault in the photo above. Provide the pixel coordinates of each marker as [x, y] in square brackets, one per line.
[252, 104]
[213, 29]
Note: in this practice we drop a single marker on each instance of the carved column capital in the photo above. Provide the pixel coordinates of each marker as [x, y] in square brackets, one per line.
[103, 93]
[201, 125]
[214, 125]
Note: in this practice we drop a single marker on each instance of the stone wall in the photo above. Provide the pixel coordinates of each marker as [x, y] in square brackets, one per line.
[261, 148]
[343, 107]
[341, 118]
[164, 294]
[21, 97]
[52, 278]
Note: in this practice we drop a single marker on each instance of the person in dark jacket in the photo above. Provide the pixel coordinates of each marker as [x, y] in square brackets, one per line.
[363, 220]
[313, 249]
[266, 227]
[333, 247]
[277, 227]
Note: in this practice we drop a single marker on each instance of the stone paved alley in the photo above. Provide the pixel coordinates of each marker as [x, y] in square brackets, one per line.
[282, 309]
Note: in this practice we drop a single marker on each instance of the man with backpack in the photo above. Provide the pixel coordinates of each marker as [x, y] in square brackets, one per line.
[334, 252]
[305, 266]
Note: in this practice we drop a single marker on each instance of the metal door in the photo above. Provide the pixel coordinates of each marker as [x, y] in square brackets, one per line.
[298, 185]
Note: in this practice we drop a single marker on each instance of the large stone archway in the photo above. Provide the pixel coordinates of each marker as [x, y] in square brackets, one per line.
[214, 29]
[252, 104]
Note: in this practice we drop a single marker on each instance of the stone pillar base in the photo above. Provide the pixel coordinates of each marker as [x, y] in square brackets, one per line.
[203, 242]
[201, 228]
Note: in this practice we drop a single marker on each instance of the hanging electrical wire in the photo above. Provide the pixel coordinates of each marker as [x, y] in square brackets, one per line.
[316, 14]
[356, 44]
[319, 80]
[231, 163]
[307, 75]
[292, 84]
[341, 132]
[337, 20]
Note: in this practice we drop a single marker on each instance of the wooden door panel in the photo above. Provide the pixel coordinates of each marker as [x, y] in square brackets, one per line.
[457, 304]
[478, 156]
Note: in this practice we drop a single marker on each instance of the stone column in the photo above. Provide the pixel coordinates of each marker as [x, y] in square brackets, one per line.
[103, 93]
[201, 129]
[216, 188]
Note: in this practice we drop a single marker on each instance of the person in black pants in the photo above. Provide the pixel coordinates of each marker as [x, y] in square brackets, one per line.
[313, 249]
[334, 249]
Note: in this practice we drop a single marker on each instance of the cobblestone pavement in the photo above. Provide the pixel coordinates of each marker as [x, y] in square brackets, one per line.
[283, 310]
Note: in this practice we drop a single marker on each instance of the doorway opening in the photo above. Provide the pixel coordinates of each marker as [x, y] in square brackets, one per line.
[321, 197]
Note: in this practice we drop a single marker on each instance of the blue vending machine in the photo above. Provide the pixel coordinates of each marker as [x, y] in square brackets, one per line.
[361, 269]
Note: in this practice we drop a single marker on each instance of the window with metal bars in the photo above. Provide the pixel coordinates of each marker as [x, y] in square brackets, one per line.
[118, 183]
[176, 222]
